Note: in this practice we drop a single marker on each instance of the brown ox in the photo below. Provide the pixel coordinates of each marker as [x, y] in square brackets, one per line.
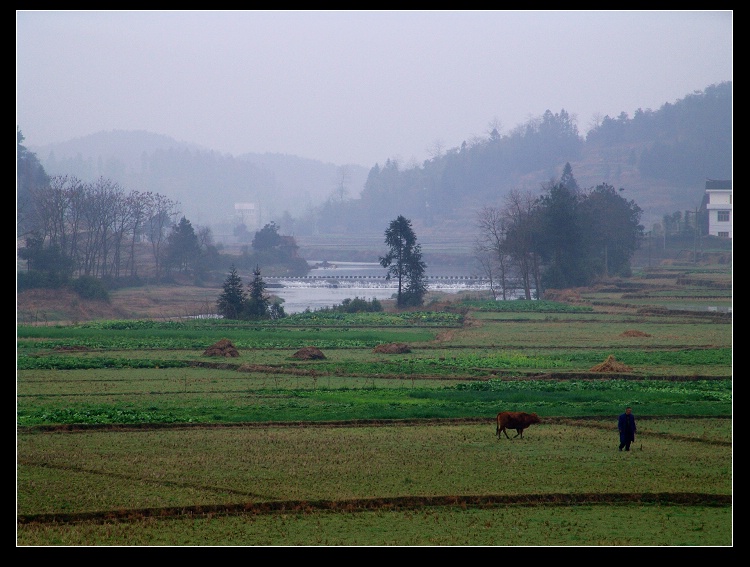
[517, 420]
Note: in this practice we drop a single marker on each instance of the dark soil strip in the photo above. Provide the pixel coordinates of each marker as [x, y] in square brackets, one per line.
[492, 373]
[380, 504]
[584, 421]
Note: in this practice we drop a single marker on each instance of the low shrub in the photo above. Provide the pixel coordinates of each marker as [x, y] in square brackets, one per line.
[89, 287]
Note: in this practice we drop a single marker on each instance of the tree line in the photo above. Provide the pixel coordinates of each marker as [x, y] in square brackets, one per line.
[403, 262]
[75, 229]
[99, 231]
[567, 237]
[681, 143]
[93, 232]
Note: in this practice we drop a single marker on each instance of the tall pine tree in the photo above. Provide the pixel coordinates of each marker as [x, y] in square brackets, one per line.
[258, 302]
[404, 262]
[231, 302]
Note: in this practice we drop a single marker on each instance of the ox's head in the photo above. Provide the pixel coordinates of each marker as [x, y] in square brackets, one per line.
[534, 418]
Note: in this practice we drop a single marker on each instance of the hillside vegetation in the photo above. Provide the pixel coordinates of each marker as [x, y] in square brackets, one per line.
[660, 157]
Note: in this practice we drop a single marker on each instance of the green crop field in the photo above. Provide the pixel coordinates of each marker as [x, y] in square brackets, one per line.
[130, 434]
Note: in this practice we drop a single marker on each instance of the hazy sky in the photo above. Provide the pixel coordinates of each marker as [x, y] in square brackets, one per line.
[352, 86]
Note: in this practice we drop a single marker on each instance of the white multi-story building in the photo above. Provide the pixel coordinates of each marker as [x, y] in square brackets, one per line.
[248, 214]
[719, 207]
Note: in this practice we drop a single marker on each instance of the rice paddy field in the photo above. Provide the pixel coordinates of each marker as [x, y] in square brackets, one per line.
[378, 429]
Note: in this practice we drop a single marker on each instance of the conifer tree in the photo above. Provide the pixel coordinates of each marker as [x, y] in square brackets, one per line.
[231, 302]
[258, 302]
[404, 262]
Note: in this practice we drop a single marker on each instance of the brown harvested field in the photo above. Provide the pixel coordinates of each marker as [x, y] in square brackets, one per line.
[149, 302]
[162, 302]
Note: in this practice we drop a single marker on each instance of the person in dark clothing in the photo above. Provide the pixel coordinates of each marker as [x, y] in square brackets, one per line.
[626, 425]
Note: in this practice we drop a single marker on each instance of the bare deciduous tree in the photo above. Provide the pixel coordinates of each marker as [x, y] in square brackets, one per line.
[90, 224]
[159, 219]
[343, 179]
[436, 149]
[519, 208]
[490, 249]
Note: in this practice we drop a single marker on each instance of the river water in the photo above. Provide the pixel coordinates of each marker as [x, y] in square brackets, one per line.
[321, 291]
[329, 286]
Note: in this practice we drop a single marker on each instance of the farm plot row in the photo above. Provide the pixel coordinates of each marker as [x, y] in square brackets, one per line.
[139, 482]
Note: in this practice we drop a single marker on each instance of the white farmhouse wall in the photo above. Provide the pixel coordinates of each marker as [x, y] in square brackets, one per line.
[719, 207]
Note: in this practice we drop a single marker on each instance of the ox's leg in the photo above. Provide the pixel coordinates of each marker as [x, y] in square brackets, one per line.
[506, 433]
[519, 432]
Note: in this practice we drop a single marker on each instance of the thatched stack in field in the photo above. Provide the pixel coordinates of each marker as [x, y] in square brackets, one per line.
[634, 334]
[222, 348]
[611, 365]
[309, 353]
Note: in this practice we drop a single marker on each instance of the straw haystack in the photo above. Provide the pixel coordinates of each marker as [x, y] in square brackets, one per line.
[611, 365]
[222, 348]
[309, 353]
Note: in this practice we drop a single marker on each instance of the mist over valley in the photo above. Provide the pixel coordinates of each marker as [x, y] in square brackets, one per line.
[660, 159]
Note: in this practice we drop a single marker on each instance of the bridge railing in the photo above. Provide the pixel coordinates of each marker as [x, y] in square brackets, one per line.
[362, 277]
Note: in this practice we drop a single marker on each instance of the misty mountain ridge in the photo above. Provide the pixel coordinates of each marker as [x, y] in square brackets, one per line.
[661, 159]
[144, 161]
[127, 146]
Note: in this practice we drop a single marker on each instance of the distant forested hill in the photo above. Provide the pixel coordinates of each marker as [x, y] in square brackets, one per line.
[660, 158]
[206, 183]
